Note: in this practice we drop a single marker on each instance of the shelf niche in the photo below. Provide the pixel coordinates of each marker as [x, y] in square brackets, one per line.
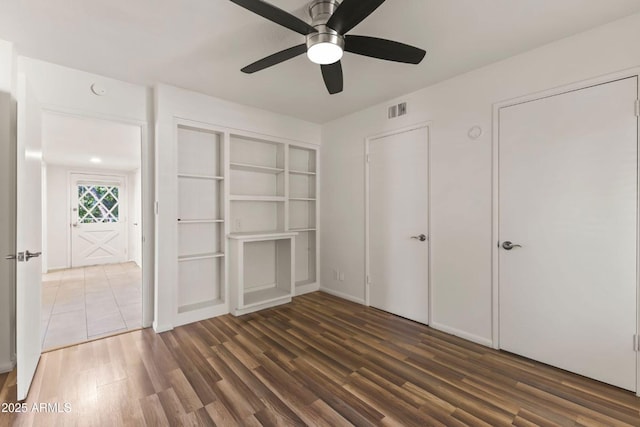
[305, 258]
[262, 270]
[302, 214]
[302, 160]
[260, 154]
[302, 218]
[257, 216]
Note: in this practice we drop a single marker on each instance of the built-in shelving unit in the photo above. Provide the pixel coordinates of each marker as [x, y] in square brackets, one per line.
[303, 213]
[201, 225]
[273, 190]
[257, 185]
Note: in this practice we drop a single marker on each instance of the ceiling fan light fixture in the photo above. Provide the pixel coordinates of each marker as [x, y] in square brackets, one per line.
[327, 37]
[325, 47]
[325, 53]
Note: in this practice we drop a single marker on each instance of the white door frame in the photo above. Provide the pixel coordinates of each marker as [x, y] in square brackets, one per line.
[148, 198]
[367, 216]
[98, 177]
[495, 144]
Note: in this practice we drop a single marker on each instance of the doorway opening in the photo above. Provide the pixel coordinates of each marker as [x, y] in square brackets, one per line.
[92, 222]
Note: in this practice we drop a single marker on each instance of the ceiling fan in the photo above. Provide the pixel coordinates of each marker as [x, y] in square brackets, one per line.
[327, 39]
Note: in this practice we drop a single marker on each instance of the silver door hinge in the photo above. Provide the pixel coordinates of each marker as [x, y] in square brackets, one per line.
[368, 159]
[636, 343]
[637, 107]
[157, 208]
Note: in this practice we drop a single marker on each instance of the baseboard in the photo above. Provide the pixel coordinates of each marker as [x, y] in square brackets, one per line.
[7, 367]
[462, 334]
[342, 295]
[306, 289]
[53, 269]
[161, 328]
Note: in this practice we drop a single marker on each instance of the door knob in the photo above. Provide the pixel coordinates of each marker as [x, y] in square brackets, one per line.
[75, 224]
[28, 255]
[508, 245]
[420, 237]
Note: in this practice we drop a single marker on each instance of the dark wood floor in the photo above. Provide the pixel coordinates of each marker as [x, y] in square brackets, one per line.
[317, 361]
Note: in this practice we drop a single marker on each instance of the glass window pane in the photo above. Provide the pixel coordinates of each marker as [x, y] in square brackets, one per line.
[98, 203]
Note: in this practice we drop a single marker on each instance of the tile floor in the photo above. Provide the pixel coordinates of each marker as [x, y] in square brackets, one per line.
[83, 303]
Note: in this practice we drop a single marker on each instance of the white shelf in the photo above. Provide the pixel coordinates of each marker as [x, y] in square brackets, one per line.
[246, 167]
[302, 199]
[195, 257]
[301, 230]
[305, 282]
[193, 176]
[292, 172]
[257, 198]
[270, 235]
[200, 221]
[264, 296]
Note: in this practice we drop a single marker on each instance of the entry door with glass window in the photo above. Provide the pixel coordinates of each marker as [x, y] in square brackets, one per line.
[97, 220]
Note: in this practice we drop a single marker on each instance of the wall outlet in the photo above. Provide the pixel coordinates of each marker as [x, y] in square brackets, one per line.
[238, 224]
[342, 276]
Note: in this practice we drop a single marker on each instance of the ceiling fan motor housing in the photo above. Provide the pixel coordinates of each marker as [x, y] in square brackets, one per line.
[320, 12]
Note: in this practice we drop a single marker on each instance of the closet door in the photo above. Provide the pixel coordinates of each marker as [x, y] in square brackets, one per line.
[567, 224]
[399, 224]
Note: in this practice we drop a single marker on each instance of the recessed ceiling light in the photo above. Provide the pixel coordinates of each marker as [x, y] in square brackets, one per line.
[95, 160]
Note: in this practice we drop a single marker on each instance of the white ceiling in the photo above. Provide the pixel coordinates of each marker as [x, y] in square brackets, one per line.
[71, 141]
[202, 44]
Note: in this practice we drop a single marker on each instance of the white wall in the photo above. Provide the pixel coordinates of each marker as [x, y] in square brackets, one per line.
[171, 102]
[65, 89]
[7, 204]
[461, 239]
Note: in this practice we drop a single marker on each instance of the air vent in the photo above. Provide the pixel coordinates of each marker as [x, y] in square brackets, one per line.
[397, 110]
[393, 111]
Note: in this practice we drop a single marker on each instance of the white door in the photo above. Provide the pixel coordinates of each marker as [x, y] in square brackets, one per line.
[568, 196]
[98, 229]
[398, 224]
[28, 237]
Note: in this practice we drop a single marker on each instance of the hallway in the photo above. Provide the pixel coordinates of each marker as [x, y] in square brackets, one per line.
[84, 303]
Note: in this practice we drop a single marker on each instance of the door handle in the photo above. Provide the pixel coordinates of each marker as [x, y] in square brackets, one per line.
[28, 255]
[420, 237]
[75, 224]
[508, 245]
[19, 257]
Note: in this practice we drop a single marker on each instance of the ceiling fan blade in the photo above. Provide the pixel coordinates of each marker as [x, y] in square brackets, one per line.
[383, 49]
[350, 13]
[332, 75]
[277, 15]
[275, 59]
